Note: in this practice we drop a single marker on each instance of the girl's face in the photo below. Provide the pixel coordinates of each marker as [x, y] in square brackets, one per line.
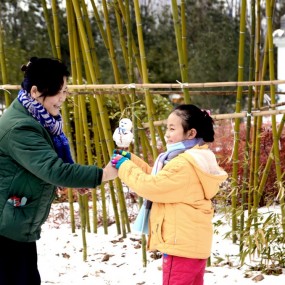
[51, 103]
[175, 132]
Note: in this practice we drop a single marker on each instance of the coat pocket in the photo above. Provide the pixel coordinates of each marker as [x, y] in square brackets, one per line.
[16, 222]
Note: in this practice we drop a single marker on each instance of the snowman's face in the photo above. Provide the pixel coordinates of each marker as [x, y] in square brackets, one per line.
[126, 124]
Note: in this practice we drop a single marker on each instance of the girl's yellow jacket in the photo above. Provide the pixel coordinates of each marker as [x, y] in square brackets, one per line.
[182, 212]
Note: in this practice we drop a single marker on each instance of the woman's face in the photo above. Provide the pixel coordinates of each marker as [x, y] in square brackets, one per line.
[51, 103]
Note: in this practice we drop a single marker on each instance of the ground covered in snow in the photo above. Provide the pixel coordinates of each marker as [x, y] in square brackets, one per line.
[112, 259]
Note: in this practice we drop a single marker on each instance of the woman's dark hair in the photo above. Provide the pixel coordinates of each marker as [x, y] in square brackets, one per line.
[45, 73]
[195, 118]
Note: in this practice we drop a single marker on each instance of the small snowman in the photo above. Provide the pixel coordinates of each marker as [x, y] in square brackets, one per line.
[123, 135]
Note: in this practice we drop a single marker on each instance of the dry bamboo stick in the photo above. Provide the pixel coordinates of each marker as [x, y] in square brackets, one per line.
[229, 116]
[161, 85]
[165, 92]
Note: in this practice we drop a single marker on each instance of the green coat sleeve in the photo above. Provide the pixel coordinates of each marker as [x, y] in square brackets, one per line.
[30, 146]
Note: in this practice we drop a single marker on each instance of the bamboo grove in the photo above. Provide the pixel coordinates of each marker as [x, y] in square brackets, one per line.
[90, 128]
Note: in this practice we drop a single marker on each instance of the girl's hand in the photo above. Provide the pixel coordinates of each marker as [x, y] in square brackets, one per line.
[117, 160]
[122, 152]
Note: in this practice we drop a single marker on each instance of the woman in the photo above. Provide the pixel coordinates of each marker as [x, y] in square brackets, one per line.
[34, 159]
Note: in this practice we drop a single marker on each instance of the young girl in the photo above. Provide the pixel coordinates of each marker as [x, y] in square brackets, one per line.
[181, 185]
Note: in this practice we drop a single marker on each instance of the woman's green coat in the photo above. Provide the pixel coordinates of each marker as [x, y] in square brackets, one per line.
[30, 167]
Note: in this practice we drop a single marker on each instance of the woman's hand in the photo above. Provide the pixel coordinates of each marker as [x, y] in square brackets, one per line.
[109, 172]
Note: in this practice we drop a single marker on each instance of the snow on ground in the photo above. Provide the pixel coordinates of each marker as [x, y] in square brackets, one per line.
[112, 259]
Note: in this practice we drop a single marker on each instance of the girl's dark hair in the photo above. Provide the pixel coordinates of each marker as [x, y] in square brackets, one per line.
[45, 73]
[195, 118]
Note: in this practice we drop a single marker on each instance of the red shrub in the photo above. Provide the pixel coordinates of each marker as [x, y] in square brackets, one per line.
[223, 148]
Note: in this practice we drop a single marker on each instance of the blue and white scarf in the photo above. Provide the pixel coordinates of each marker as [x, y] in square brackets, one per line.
[141, 222]
[52, 124]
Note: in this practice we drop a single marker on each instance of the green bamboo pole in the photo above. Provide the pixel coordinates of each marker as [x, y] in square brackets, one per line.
[116, 72]
[245, 180]
[269, 8]
[91, 42]
[184, 35]
[181, 46]
[134, 118]
[100, 25]
[125, 53]
[97, 136]
[97, 146]
[234, 182]
[145, 78]
[77, 114]
[86, 146]
[56, 28]
[260, 185]
[65, 111]
[119, 6]
[124, 46]
[256, 93]
[79, 160]
[265, 174]
[70, 27]
[49, 28]
[3, 66]
[123, 208]
[107, 37]
[257, 188]
[79, 127]
[101, 106]
[104, 115]
[256, 185]
[99, 141]
[134, 47]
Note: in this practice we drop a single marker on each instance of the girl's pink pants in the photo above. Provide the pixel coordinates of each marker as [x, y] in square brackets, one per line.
[183, 271]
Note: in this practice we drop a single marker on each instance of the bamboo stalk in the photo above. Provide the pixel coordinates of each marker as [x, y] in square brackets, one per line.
[79, 130]
[65, 111]
[91, 42]
[259, 103]
[83, 126]
[133, 44]
[256, 93]
[117, 76]
[125, 48]
[56, 28]
[148, 99]
[100, 25]
[49, 28]
[245, 181]
[102, 109]
[116, 72]
[184, 38]
[269, 5]
[134, 118]
[163, 85]
[181, 53]
[97, 133]
[234, 182]
[3, 66]
[70, 26]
